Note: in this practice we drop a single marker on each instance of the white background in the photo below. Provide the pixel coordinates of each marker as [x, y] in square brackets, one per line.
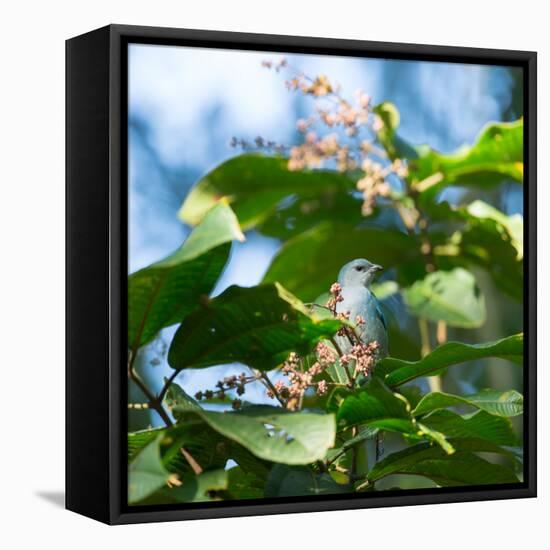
[32, 272]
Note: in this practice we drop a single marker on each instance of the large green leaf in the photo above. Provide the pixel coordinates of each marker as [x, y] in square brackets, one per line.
[507, 403]
[374, 403]
[496, 155]
[450, 296]
[307, 210]
[146, 473]
[376, 406]
[258, 326]
[308, 264]
[271, 433]
[397, 371]
[510, 227]
[197, 488]
[497, 248]
[163, 293]
[481, 424]
[485, 237]
[244, 484]
[208, 448]
[395, 146]
[285, 481]
[254, 185]
[461, 468]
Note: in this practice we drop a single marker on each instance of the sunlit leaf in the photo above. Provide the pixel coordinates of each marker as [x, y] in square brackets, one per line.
[397, 371]
[450, 296]
[258, 326]
[254, 185]
[507, 403]
[272, 433]
[146, 473]
[163, 293]
[481, 424]
[461, 468]
[308, 264]
[496, 155]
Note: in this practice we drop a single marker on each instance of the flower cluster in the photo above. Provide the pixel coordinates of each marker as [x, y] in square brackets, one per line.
[301, 379]
[357, 120]
[374, 182]
[364, 356]
[335, 297]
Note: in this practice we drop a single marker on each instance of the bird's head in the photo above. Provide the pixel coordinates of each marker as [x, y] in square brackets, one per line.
[358, 272]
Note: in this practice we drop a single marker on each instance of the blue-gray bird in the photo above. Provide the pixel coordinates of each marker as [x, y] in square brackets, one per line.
[355, 278]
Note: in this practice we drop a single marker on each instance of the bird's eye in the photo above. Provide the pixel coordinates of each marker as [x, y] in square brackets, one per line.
[359, 268]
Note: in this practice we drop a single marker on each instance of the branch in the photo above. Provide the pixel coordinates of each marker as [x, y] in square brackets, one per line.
[271, 387]
[167, 384]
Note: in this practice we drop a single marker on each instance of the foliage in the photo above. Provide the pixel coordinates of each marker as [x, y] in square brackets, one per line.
[329, 203]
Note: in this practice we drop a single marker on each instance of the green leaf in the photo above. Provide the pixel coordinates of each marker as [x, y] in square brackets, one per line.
[496, 155]
[508, 403]
[307, 210]
[272, 433]
[244, 484]
[138, 440]
[177, 399]
[254, 185]
[146, 473]
[374, 405]
[208, 448]
[481, 424]
[308, 264]
[198, 488]
[450, 296]
[258, 326]
[461, 468]
[163, 293]
[396, 371]
[494, 241]
[285, 481]
[395, 146]
[488, 238]
[511, 225]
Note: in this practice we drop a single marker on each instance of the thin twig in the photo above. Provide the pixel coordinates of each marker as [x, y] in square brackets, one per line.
[195, 466]
[346, 367]
[354, 455]
[153, 401]
[272, 388]
[167, 384]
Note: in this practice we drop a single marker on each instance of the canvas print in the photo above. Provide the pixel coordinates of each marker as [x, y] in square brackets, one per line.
[325, 276]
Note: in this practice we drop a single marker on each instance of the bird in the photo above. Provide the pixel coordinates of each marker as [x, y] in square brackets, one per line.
[355, 278]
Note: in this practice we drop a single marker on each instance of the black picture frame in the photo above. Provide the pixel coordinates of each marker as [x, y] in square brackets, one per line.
[96, 259]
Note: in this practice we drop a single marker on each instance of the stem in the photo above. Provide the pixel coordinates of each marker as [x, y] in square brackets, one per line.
[167, 384]
[434, 382]
[346, 367]
[195, 466]
[441, 334]
[354, 455]
[156, 404]
[377, 447]
[424, 336]
[271, 387]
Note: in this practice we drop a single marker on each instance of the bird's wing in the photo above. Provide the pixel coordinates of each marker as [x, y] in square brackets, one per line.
[380, 316]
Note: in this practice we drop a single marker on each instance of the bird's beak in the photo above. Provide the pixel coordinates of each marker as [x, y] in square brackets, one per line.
[377, 268]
